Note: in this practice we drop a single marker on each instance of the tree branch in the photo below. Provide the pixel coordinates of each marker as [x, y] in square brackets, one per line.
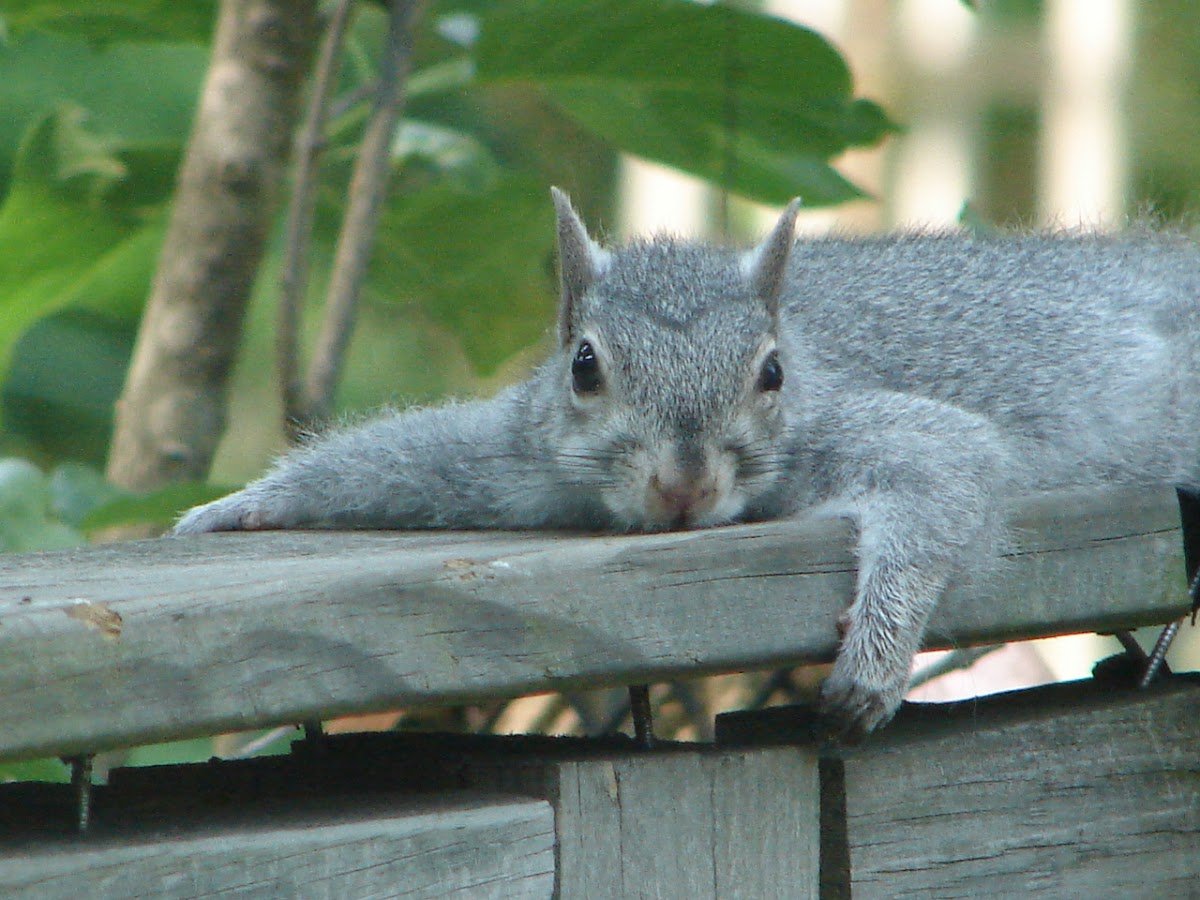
[172, 411]
[368, 190]
[293, 280]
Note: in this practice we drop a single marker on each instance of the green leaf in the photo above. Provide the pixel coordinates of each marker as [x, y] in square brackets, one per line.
[139, 93]
[76, 490]
[117, 281]
[113, 20]
[161, 507]
[477, 262]
[59, 245]
[80, 156]
[22, 490]
[63, 157]
[25, 522]
[439, 78]
[170, 753]
[66, 374]
[744, 100]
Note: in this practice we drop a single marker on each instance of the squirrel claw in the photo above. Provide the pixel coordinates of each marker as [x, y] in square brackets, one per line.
[851, 709]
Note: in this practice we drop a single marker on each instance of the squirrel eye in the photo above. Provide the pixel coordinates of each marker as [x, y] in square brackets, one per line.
[771, 376]
[585, 370]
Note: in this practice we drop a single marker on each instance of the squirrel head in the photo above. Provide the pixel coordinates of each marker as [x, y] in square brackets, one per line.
[669, 361]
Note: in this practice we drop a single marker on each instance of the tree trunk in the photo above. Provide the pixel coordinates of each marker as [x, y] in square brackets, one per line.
[172, 411]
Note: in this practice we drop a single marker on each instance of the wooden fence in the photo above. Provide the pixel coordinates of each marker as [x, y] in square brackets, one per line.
[1071, 790]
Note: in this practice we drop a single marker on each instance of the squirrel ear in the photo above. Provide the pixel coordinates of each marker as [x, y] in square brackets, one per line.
[580, 262]
[765, 265]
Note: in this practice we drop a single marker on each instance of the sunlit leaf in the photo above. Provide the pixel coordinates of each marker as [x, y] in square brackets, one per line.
[454, 154]
[745, 100]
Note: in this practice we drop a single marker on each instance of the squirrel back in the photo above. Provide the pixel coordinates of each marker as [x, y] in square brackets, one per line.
[1083, 349]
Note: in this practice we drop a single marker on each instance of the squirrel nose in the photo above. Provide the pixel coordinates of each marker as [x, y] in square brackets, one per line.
[678, 501]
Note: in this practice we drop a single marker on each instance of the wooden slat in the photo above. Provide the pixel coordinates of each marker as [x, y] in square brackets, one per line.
[147, 641]
[486, 847]
[681, 820]
[706, 825]
[1069, 790]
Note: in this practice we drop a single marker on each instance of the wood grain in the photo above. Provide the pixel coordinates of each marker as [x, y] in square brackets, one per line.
[1070, 790]
[469, 847]
[147, 641]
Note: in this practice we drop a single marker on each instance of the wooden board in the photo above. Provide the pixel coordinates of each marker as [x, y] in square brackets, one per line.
[708, 826]
[1070, 790]
[395, 814]
[148, 641]
[471, 848]
[679, 821]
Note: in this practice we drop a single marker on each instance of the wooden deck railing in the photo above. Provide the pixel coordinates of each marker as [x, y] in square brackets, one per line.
[148, 641]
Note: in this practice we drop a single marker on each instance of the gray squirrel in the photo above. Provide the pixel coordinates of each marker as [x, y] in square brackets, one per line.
[911, 382]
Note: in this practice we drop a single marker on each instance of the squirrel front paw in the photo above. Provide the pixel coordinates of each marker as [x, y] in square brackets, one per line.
[867, 684]
[856, 699]
[232, 513]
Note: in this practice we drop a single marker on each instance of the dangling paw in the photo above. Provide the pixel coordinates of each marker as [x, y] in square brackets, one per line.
[867, 684]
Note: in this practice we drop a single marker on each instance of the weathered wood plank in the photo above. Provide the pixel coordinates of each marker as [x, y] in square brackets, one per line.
[1065, 791]
[682, 820]
[708, 826]
[486, 847]
[147, 641]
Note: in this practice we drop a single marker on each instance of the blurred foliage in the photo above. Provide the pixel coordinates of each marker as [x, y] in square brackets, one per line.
[106, 21]
[65, 374]
[31, 516]
[49, 510]
[748, 102]
[1164, 108]
[96, 101]
[1014, 12]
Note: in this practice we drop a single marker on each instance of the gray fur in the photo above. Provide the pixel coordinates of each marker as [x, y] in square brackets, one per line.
[927, 377]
